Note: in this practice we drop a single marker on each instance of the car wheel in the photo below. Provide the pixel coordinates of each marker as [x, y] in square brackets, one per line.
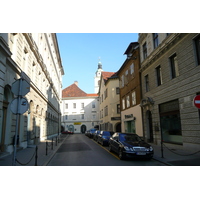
[110, 147]
[121, 154]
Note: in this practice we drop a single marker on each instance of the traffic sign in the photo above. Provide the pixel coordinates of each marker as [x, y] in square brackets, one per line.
[197, 101]
[23, 105]
[25, 87]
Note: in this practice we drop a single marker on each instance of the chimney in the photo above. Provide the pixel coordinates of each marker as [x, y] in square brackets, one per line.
[76, 82]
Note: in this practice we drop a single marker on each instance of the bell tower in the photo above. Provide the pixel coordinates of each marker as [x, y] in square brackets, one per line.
[97, 77]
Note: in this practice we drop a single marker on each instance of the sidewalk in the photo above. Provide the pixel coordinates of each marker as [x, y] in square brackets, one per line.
[28, 154]
[175, 156]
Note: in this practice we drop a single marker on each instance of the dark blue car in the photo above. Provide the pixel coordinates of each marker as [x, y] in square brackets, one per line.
[130, 145]
[104, 137]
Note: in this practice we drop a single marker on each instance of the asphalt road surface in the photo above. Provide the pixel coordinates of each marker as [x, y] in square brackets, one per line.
[79, 150]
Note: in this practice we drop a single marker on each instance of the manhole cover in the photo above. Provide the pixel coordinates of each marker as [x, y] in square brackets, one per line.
[73, 147]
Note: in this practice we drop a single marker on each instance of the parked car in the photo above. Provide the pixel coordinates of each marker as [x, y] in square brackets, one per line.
[67, 132]
[91, 132]
[130, 145]
[96, 134]
[87, 133]
[104, 137]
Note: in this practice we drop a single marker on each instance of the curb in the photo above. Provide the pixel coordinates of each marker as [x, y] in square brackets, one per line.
[54, 152]
[166, 163]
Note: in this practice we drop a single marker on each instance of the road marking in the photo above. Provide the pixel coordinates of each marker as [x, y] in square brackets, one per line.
[107, 150]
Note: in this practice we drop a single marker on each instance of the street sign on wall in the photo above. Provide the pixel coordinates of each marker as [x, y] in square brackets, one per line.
[197, 101]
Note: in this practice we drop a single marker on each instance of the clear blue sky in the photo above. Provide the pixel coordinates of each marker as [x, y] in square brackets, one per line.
[80, 54]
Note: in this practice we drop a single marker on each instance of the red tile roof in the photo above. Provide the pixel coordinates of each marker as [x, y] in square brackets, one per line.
[107, 75]
[74, 91]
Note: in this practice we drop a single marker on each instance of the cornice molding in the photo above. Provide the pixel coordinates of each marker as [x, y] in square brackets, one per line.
[161, 49]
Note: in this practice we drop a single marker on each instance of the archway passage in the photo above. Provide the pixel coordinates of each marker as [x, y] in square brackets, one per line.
[83, 128]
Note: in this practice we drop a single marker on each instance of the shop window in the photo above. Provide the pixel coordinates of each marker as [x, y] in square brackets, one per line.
[170, 122]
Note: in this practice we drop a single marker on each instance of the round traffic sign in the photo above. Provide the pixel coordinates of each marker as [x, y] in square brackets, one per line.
[23, 105]
[197, 101]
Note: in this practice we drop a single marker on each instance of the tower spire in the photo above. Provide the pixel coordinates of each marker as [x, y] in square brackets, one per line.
[99, 63]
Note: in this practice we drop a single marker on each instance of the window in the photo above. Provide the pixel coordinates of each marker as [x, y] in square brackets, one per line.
[66, 117]
[82, 105]
[158, 75]
[144, 48]
[117, 90]
[147, 82]
[82, 116]
[118, 108]
[133, 98]
[94, 116]
[66, 106]
[155, 40]
[122, 81]
[170, 122]
[74, 105]
[132, 68]
[126, 77]
[197, 48]
[174, 66]
[123, 103]
[127, 101]
[93, 104]
[106, 93]
[106, 111]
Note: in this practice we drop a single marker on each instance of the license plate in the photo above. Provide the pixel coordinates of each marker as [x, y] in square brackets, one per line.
[141, 153]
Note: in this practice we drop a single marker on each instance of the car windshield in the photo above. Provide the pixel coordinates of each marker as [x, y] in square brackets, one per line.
[106, 133]
[129, 137]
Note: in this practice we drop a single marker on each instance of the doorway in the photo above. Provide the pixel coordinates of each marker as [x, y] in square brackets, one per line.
[149, 126]
[83, 128]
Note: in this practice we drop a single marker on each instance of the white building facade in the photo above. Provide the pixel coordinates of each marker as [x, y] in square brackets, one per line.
[37, 55]
[80, 114]
[80, 111]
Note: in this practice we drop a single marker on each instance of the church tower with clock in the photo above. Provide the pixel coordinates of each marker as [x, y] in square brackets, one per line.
[97, 77]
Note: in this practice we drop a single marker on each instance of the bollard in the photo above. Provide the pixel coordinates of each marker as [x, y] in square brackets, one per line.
[52, 144]
[46, 148]
[36, 155]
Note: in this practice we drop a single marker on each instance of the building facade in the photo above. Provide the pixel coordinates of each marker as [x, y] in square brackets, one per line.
[170, 70]
[130, 91]
[36, 55]
[109, 105]
[80, 111]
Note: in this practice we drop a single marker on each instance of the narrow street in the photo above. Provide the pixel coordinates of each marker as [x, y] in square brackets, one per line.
[79, 150]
